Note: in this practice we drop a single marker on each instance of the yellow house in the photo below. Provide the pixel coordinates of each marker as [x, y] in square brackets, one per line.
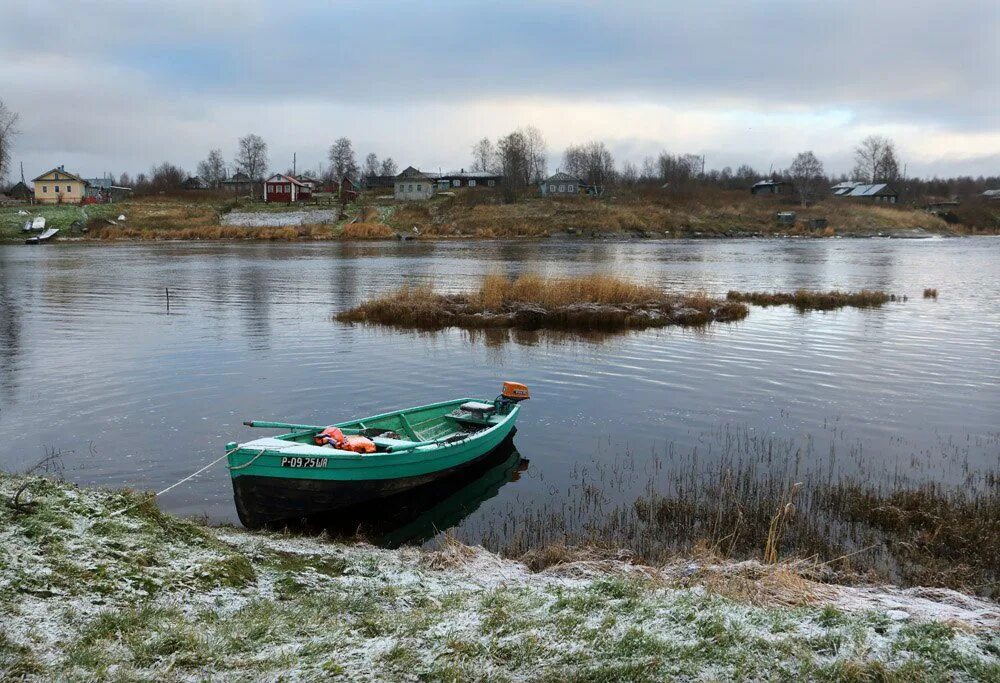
[59, 186]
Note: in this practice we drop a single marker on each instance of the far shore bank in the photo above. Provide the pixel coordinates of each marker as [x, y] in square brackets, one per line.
[476, 217]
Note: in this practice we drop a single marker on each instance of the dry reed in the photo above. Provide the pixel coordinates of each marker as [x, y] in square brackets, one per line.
[807, 300]
[593, 302]
[930, 293]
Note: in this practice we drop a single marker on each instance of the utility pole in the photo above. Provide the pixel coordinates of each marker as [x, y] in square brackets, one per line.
[22, 172]
[294, 168]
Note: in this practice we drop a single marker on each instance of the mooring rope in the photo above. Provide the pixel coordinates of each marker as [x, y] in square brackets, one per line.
[187, 478]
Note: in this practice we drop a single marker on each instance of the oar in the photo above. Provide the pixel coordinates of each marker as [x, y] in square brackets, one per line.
[281, 425]
[411, 446]
[294, 427]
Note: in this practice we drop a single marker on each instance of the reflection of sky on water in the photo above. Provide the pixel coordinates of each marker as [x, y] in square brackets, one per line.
[92, 365]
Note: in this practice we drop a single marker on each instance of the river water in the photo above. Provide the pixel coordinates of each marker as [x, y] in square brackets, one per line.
[95, 368]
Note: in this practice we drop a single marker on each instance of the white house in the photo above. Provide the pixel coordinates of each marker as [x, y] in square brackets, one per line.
[413, 184]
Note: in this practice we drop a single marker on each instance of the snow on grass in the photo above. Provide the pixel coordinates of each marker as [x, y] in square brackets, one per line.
[84, 595]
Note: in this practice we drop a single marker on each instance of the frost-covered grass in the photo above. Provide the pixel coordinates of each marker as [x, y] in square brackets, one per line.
[144, 595]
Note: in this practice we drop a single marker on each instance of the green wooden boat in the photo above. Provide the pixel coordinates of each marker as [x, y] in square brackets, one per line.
[289, 477]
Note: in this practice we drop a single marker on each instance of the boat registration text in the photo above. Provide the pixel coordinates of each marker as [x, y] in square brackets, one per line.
[303, 462]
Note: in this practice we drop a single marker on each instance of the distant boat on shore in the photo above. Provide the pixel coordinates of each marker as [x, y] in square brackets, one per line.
[44, 237]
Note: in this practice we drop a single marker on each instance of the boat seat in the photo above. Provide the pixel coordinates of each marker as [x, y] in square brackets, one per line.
[383, 442]
[478, 407]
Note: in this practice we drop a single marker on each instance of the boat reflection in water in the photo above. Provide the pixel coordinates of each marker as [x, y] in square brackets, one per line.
[418, 515]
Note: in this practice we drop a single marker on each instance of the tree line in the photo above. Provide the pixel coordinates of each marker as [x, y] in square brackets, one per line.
[520, 158]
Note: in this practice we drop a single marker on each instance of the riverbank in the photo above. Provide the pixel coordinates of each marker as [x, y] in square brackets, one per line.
[87, 593]
[471, 216]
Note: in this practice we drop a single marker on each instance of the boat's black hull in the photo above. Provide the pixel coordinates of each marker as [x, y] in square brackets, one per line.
[275, 502]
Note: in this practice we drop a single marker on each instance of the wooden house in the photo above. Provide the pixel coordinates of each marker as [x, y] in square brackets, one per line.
[561, 185]
[285, 188]
[766, 187]
[414, 184]
[59, 186]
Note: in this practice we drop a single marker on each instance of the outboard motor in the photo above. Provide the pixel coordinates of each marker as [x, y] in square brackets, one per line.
[511, 394]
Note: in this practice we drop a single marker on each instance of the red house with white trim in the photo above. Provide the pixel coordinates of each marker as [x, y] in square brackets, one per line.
[285, 188]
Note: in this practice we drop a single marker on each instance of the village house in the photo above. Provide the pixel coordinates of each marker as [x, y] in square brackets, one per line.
[560, 185]
[285, 188]
[463, 178]
[378, 182]
[840, 189]
[20, 191]
[413, 184]
[195, 183]
[992, 195]
[877, 192]
[238, 183]
[768, 186]
[105, 190]
[59, 186]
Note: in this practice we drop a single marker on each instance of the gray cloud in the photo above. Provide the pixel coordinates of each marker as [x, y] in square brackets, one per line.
[149, 81]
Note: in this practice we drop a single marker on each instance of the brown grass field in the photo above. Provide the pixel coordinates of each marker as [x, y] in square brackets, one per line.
[479, 215]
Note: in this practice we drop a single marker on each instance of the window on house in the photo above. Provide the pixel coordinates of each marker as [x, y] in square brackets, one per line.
[492, 183]
[45, 189]
[456, 183]
[472, 183]
[69, 188]
[552, 188]
[420, 188]
[57, 189]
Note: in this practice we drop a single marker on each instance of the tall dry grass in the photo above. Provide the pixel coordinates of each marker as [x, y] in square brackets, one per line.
[498, 291]
[367, 231]
[808, 300]
[591, 302]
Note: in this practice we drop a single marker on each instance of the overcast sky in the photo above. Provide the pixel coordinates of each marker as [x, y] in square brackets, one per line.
[108, 86]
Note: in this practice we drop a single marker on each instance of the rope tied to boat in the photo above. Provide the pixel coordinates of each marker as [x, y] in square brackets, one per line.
[246, 464]
[185, 479]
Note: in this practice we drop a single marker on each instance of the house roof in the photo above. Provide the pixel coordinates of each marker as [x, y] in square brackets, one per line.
[63, 171]
[238, 177]
[846, 185]
[561, 177]
[410, 173]
[767, 182]
[869, 190]
[282, 178]
[472, 175]
[991, 193]
[100, 182]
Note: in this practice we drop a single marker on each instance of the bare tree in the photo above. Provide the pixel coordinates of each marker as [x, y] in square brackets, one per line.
[371, 165]
[592, 162]
[484, 156]
[166, 177]
[8, 131]
[629, 175]
[680, 169]
[807, 175]
[342, 162]
[876, 160]
[515, 164]
[388, 167]
[213, 169]
[251, 158]
[537, 153]
[124, 180]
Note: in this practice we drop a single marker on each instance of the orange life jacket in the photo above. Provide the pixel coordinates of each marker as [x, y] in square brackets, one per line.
[332, 436]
